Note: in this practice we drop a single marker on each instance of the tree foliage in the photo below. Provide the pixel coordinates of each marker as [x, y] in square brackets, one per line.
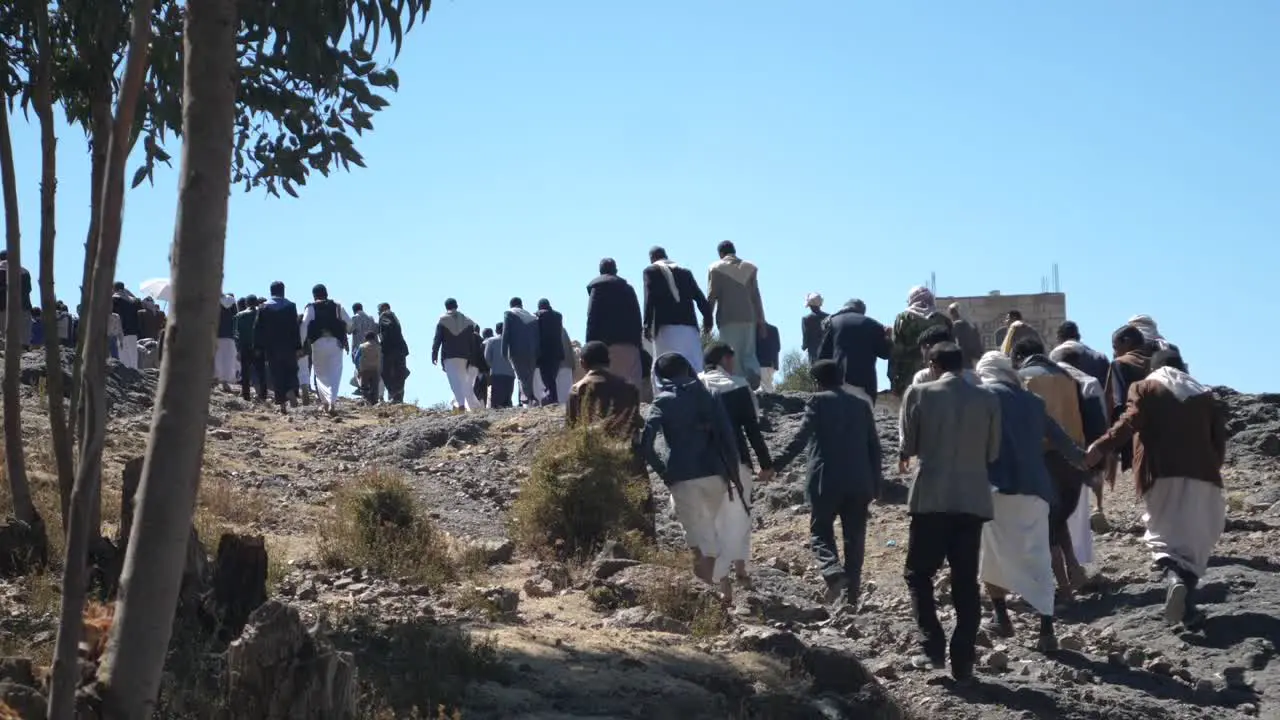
[795, 374]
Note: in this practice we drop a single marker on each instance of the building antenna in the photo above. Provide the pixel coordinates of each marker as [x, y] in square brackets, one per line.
[933, 282]
[1056, 286]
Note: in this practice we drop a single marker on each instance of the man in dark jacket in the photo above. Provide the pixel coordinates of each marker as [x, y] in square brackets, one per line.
[813, 327]
[520, 345]
[480, 369]
[124, 304]
[702, 461]
[24, 324]
[768, 352]
[603, 397]
[854, 341]
[550, 349]
[253, 370]
[966, 335]
[613, 318]
[224, 360]
[455, 336]
[1090, 361]
[671, 299]
[395, 353]
[277, 337]
[838, 434]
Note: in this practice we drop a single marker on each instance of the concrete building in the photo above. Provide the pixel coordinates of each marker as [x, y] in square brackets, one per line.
[1043, 311]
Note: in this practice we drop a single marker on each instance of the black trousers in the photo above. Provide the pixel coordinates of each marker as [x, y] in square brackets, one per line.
[501, 388]
[549, 371]
[395, 371]
[481, 387]
[283, 368]
[253, 373]
[852, 512]
[957, 539]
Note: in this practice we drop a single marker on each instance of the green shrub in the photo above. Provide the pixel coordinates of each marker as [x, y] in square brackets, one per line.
[795, 374]
[378, 524]
[582, 489]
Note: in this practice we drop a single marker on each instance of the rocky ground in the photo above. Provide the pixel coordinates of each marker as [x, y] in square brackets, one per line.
[557, 652]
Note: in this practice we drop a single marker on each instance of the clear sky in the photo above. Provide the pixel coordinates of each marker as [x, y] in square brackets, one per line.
[846, 147]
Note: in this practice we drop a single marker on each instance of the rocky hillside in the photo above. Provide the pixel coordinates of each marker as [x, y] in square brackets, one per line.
[604, 639]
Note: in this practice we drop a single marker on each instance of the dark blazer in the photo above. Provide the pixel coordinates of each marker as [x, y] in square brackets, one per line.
[613, 312]
[391, 336]
[696, 429]
[520, 335]
[662, 309]
[740, 406]
[769, 347]
[550, 337]
[839, 435]
[276, 331]
[812, 328]
[855, 341]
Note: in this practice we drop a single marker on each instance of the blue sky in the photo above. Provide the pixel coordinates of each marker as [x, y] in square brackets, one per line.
[846, 147]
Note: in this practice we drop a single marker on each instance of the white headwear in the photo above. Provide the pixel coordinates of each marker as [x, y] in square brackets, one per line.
[813, 300]
[228, 301]
[996, 367]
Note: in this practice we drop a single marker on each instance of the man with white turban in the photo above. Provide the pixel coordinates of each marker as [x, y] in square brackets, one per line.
[1016, 551]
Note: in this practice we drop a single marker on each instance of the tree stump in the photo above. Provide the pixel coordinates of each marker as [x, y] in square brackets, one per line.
[130, 479]
[279, 670]
[23, 547]
[239, 582]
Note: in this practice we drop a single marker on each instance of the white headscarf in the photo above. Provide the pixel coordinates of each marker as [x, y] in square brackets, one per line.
[996, 367]
[920, 301]
[1182, 385]
[1147, 326]
[813, 300]
[228, 301]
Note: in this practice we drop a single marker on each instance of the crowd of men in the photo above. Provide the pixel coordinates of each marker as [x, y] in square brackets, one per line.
[1003, 442]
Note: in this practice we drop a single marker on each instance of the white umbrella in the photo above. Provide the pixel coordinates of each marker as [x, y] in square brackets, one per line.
[160, 289]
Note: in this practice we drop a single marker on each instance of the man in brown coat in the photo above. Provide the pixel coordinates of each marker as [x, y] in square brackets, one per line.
[1179, 443]
[600, 396]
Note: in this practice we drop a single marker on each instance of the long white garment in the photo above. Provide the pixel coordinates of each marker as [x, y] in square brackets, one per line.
[464, 394]
[224, 361]
[1184, 520]
[564, 384]
[304, 373]
[1015, 549]
[682, 339]
[733, 527]
[766, 379]
[1081, 526]
[129, 351]
[326, 362]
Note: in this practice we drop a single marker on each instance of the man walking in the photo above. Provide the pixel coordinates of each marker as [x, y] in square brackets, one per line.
[395, 353]
[520, 345]
[275, 335]
[813, 327]
[733, 293]
[1179, 442]
[953, 427]
[967, 336]
[253, 371]
[671, 298]
[502, 377]
[768, 353]
[224, 358]
[854, 342]
[124, 304]
[24, 321]
[325, 326]
[361, 325]
[551, 353]
[452, 346]
[838, 434]
[613, 318]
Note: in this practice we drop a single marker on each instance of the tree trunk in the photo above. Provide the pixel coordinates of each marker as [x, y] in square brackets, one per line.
[239, 582]
[23, 508]
[157, 553]
[84, 494]
[58, 430]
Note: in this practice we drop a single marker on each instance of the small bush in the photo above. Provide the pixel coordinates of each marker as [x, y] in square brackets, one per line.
[795, 374]
[581, 491]
[698, 608]
[378, 524]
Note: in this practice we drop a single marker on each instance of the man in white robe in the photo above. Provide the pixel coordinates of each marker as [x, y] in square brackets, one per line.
[224, 358]
[325, 325]
[1179, 444]
[453, 349]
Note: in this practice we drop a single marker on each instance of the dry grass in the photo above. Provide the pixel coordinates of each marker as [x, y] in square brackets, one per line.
[580, 492]
[378, 524]
[221, 499]
[698, 608]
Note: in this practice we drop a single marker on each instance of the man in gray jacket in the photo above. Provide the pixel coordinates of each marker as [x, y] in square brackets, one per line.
[502, 377]
[953, 428]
